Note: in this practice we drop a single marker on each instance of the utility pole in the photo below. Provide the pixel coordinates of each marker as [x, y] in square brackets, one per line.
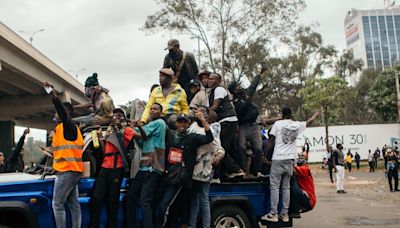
[398, 96]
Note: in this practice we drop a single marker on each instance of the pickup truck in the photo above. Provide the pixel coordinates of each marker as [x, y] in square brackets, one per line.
[25, 201]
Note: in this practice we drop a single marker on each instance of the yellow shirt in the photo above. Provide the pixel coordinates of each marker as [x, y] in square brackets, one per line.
[174, 103]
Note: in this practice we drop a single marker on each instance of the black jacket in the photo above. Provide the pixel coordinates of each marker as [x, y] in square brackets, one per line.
[14, 161]
[189, 144]
[247, 111]
[189, 69]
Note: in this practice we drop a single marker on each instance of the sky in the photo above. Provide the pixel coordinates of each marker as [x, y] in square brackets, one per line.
[104, 36]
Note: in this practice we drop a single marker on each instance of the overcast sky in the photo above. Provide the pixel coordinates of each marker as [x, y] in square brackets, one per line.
[103, 36]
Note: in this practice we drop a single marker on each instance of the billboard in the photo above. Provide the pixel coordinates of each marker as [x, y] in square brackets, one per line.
[357, 138]
[352, 33]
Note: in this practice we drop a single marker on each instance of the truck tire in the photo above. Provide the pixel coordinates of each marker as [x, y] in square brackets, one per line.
[225, 216]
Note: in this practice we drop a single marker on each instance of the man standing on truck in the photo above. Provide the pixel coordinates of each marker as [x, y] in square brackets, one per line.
[283, 135]
[116, 144]
[226, 115]
[143, 187]
[247, 113]
[14, 162]
[182, 63]
[67, 153]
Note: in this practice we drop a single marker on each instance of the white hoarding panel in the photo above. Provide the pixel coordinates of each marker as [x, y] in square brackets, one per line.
[357, 138]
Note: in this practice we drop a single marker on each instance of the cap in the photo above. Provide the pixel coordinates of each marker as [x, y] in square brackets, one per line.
[120, 110]
[204, 72]
[92, 80]
[167, 71]
[194, 82]
[183, 117]
[172, 43]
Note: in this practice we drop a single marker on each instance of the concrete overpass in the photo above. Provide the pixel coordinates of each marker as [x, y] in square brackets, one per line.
[23, 101]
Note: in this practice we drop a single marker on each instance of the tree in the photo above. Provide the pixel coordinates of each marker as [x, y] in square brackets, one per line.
[307, 58]
[382, 96]
[346, 65]
[324, 94]
[222, 25]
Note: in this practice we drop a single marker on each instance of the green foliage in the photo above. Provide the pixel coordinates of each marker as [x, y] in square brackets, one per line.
[347, 65]
[382, 96]
[227, 25]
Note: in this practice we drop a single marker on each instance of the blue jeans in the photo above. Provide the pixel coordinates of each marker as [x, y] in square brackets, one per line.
[200, 198]
[66, 192]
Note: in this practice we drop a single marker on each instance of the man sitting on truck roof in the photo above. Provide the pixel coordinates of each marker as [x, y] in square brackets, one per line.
[100, 102]
[171, 96]
[283, 134]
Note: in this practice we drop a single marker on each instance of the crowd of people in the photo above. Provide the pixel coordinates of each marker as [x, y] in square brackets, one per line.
[337, 161]
[193, 132]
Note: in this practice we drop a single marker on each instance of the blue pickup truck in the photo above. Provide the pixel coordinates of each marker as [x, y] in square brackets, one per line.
[25, 201]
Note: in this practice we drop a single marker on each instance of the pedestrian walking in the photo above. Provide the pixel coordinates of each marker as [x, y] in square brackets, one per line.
[357, 157]
[371, 162]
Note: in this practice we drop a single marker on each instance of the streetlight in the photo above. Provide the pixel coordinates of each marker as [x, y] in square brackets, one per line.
[30, 35]
[77, 72]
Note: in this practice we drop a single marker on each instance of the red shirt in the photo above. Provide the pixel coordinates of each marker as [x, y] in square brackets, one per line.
[306, 182]
[108, 161]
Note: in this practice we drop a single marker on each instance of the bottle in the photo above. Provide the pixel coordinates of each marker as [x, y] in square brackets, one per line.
[95, 139]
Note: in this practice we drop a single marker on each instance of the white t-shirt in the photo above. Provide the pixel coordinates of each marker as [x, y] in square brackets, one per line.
[220, 93]
[286, 132]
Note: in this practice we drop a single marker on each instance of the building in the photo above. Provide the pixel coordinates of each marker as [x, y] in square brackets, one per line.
[374, 36]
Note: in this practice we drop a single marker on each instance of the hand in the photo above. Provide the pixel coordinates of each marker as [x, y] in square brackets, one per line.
[334, 169]
[137, 123]
[199, 115]
[317, 113]
[26, 131]
[217, 159]
[46, 84]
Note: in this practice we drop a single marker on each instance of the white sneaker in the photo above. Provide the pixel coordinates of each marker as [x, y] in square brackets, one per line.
[260, 175]
[284, 218]
[270, 217]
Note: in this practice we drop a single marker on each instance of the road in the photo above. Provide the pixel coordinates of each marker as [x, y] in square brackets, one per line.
[368, 202]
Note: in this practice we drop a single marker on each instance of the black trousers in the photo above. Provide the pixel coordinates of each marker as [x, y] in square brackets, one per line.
[142, 191]
[358, 164]
[106, 189]
[330, 167]
[298, 200]
[393, 174]
[371, 166]
[229, 139]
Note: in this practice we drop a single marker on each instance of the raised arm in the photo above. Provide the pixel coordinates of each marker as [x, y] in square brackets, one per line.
[312, 119]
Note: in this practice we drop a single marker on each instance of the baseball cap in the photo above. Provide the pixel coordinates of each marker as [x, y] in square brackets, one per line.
[172, 43]
[167, 71]
[183, 117]
[120, 110]
[204, 72]
[194, 82]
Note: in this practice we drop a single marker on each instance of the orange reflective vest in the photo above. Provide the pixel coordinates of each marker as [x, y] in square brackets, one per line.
[67, 154]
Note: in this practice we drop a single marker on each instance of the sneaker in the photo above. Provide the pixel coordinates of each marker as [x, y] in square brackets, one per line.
[295, 215]
[260, 175]
[339, 191]
[215, 181]
[284, 218]
[270, 217]
[239, 173]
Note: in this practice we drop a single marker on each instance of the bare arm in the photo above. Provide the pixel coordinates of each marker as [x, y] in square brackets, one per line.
[312, 119]
[216, 104]
[142, 135]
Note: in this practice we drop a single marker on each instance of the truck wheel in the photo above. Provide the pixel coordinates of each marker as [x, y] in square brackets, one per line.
[229, 216]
